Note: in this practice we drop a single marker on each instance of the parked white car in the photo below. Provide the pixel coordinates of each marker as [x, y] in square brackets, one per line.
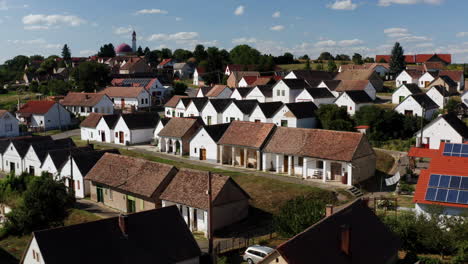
[255, 254]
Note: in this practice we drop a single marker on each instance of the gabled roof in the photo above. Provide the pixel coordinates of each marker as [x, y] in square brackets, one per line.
[216, 131]
[270, 108]
[103, 241]
[352, 85]
[216, 90]
[246, 106]
[60, 156]
[249, 80]
[318, 143]
[266, 90]
[441, 89]
[220, 104]
[296, 83]
[134, 175]
[332, 84]
[174, 100]
[370, 241]
[41, 148]
[317, 93]
[244, 91]
[82, 99]
[265, 80]
[164, 120]
[178, 127]
[454, 75]
[412, 87]
[92, 120]
[135, 82]
[367, 74]
[313, 75]
[189, 187]
[456, 124]
[36, 107]
[359, 97]
[424, 100]
[164, 62]
[204, 90]
[140, 120]
[111, 120]
[415, 74]
[199, 102]
[5, 142]
[85, 160]
[247, 134]
[127, 92]
[302, 109]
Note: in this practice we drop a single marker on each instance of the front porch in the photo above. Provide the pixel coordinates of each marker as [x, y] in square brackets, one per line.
[308, 168]
[170, 145]
[240, 156]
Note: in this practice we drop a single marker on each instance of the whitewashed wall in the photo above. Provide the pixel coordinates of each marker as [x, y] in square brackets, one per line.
[439, 131]
[202, 140]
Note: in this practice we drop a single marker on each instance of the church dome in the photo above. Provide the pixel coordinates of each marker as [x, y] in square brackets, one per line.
[123, 48]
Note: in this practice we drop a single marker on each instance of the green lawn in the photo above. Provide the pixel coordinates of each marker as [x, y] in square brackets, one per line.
[12, 247]
[11, 99]
[48, 133]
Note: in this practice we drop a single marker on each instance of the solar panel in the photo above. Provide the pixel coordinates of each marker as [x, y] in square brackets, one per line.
[447, 188]
[456, 150]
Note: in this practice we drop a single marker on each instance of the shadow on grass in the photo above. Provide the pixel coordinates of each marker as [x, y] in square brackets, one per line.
[7, 258]
[258, 223]
[377, 183]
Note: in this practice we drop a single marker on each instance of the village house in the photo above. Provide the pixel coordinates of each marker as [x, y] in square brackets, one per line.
[457, 76]
[195, 106]
[203, 144]
[426, 79]
[380, 68]
[439, 95]
[300, 114]
[318, 96]
[183, 71]
[239, 110]
[445, 182]
[44, 115]
[97, 127]
[36, 153]
[287, 90]
[345, 157]
[236, 76]
[353, 101]
[117, 240]
[128, 98]
[198, 76]
[404, 91]
[238, 146]
[159, 92]
[182, 105]
[418, 105]
[445, 128]
[219, 91]
[9, 125]
[240, 93]
[135, 128]
[362, 75]
[82, 104]
[408, 76]
[134, 65]
[5, 145]
[419, 58]
[188, 191]
[212, 113]
[161, 124]
[310, 76]
[355, 85]
[129, 184]
[176, 134]
[261, 93]
[264, 112]
[446, 82]
[351, 234]
[55, 159]
[170, 106]
[166, 64]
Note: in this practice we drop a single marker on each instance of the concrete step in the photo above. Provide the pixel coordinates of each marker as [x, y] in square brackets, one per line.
[355, 191]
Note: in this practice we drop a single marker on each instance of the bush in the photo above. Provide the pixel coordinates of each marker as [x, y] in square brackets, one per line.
[180, 88]
[462, 253]
[429, 260]
[406, 188]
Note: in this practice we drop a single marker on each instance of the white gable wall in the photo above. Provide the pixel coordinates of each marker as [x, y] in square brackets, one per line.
[345, 101]
[425, 80]
[437, 97]
[81, 187]
[400, 94]
[209, 112]
[279, 118]
[29, 258]
[234, 113]
[11, 157]
[243, 83]
[257, 114]
[89, 133]
[257, 95]
[49, 166]
[192, 110]
[180, 109]
[103, 128]
[403, 78]
[31, 160]
[282, 93]
[409, 104]
[464, 98]
[9, 126]
[202, 140]
[236, 95]
[437, 132]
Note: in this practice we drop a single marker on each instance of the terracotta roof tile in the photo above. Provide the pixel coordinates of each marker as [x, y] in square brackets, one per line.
[352, 85]
[174, 100]
[178, 127]
[91, 121]
[216, 90]
[82, 99]
[128, 92]
[247, 134]
[36, 107]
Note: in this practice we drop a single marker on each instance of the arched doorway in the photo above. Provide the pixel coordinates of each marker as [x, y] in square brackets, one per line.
[178, 148]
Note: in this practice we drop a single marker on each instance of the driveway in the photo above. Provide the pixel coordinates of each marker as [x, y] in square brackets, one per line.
[96, 208]
[67, 134]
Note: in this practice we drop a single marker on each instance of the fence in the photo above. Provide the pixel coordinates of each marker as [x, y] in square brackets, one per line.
[232, 244]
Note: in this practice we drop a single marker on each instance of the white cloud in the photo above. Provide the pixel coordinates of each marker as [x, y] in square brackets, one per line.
[350, 42]
[52, 46]
[175, 36]
[122, 30]
[244, 40]
[5, 6]
[151, 11]
[325, 43]
[39, 21]
[341, 43]
[396, 32]
[239, 10]
[424, 45]
[342, 5]
[409, 2]
[462, 34]
[277, 28]
[28, 42]
[414, 39]
[276, 14]
[178, 19]
[87, 52]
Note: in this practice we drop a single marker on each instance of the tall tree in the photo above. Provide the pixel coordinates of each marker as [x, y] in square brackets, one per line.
[307, 65]
[91, 75]
[397, 59]
[331, 66]
[166, 53]
[245, 55]
[146, 51]
[182, 55]
[357, 59]
[325, 56]
[140, 51]
[66, 54]
[200, 53]
[107, 50]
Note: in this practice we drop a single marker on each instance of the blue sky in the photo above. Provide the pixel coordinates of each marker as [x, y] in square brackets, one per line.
[273, 26]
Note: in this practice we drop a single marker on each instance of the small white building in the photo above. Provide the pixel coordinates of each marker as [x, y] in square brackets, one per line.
[198, 76]
[355, 85]
[416, 105]
[439, 95]
[212, 113]
[45, 115]
[37, 153]
[126, 98]
[175, 137]
[318, 96]
[261, 93]
[296, 115]
[9, 125]
[183, 70]
[240, 93]
[426, 79]
[353, 101]
[404, 91]
[287, 90]
[97, 127]
[445, 128]
[181, 107]
[135, 128]
[264, 112]
[158, 91]
[170, 106]
[239, 110]
[161, 124]
[408, 76]
[203, 144]
[82, 104]
[195, 106]
[13, 157]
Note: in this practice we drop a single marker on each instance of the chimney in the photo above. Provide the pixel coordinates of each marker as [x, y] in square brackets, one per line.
[87, 96]
[328, 210]
[123, 224]
[345, 239]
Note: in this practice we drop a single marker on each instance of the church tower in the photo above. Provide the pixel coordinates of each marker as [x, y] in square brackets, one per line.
[134, 46]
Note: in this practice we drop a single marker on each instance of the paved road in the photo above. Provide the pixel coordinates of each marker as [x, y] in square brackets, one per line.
[67, 134]
[95, 208]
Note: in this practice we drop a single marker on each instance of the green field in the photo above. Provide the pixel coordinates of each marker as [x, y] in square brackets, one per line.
[11, 99]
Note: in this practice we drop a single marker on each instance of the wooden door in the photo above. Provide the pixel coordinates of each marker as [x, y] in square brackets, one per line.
[131, 206]
[335, 170]
[202, 154]
[286, 164]
[12, 167]
[121, 137]
[100, 195]
[122, 103]
[103, 136]
[408, 112]
[242, 158]
[292, 167]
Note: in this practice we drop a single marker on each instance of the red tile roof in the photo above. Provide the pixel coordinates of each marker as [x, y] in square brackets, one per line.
[423, 152]
[164, 62]
[419, 58]
[36, 107]
[454, 75]
[246, 134]
[250, 79]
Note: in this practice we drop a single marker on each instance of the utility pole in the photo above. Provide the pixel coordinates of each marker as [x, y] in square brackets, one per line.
[422, 123]
[210, 218]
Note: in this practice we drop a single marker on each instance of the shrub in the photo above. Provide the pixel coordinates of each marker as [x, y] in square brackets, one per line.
[429, 260]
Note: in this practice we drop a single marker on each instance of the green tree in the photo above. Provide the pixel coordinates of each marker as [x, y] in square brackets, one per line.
[46, 204]
[320, 66]
[58, 87]
[329, 114]
[107, 51]
[90, 75]
[451, 105]
[331, 66]
[397, 59]
[166, 53]
[152, 57]
[180, 88]
[307, 65]
[325, 56]
[182, 55]
[357, 59]
[304, 57]
[245, 55]
[146, 51]
[369, 60]
[342, 57]
[140, 51]
[297, 215]
[48, 66]
[66, 53]
[200, 53]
